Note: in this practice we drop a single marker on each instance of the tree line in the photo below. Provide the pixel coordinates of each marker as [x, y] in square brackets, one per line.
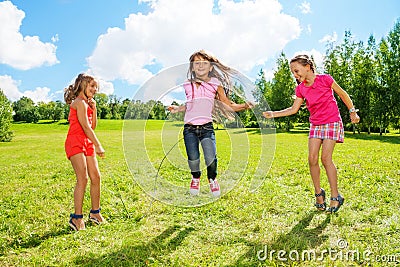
[369, 72]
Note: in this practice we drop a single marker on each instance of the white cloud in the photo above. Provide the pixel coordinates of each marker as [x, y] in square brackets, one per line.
[40, 94]
[329, 38]
[174, 29]
[11, 89]
[16, 50]
[305, 7]
[106, 87]
[309, 29]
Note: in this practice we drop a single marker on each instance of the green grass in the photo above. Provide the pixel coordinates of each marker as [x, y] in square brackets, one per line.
[36, 181]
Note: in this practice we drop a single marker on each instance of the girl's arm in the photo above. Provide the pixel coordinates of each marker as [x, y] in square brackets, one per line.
[81, 111]
[285, 112]
[235, 107]
[175, 108]
[92, 104]
[347, 101]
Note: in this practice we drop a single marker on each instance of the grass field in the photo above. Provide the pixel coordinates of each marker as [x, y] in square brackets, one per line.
[275, 226]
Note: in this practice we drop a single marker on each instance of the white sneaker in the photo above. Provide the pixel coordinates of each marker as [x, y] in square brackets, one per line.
[214, 186]
[195, 186]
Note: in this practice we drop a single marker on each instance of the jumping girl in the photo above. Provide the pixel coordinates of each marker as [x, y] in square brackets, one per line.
[207, 78]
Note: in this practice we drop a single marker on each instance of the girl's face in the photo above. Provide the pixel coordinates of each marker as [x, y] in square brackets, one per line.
[299, 71]
[201, 67]
[91, 89]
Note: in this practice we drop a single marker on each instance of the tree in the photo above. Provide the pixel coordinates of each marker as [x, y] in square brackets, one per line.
[389, 52]
[103, 109]
[282, 92]
[25, 110]
[365, 82]
[339, 64]
[5, 118]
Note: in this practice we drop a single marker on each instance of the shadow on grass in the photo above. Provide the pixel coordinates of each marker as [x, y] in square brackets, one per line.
[141, 254]
[34, 240]
[300, 238]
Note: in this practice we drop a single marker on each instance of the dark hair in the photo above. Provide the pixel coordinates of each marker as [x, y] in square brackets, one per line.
[73, 90]
[304, 60]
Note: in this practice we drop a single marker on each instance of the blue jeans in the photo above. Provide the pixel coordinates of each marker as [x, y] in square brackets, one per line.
[194, 135]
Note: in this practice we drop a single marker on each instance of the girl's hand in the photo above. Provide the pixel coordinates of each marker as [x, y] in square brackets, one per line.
[268, 114]
[249, 105]
[92, 103]
[100, 151]
[173, 109]
[354, 117]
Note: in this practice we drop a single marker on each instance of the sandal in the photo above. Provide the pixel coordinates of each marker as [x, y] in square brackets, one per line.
[71, 223]
[339, 199]
[93, 219]
[321, 206]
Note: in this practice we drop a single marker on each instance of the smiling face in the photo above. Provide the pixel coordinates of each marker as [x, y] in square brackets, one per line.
[301, 72]
[91, 88]
[201, 67]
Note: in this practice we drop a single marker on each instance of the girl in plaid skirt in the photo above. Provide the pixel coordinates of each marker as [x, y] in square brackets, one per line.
[326, 127]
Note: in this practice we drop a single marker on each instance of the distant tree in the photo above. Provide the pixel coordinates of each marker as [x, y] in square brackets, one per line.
[114, 107]
[103, 108]
[5, 118]
[124, 107]
[25, 110]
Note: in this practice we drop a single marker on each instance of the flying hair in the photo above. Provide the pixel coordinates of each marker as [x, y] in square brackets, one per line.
[223, 73]
[220, 71]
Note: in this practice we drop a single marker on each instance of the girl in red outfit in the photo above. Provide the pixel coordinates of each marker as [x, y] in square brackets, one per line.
[81, 145]
[326, 124]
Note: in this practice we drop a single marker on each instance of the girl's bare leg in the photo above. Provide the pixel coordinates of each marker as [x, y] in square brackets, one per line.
[314, 145]
[78, 162]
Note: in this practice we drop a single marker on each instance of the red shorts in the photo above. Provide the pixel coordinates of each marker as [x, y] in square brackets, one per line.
[333, 131]
[76, 144]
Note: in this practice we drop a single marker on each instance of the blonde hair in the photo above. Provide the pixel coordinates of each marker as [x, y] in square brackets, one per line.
[73, 90]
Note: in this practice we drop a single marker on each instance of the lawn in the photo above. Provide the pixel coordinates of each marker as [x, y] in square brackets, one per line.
[275, 225]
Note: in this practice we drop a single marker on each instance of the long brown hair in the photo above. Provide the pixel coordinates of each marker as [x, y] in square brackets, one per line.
[219, 70]
[73, 90]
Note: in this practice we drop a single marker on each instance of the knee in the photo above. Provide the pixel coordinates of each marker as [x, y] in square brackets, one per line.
[94, 178]
[81, 181]
[326, 160]
[313, 160]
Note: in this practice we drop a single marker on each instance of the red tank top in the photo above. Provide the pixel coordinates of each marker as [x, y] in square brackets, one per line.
[75, 127]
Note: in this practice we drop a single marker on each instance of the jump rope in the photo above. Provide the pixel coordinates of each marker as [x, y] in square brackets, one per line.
[118, 193]
[156, 176]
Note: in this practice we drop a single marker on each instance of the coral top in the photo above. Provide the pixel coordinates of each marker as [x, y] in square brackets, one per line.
[200, 101]
[320, 100]
[75, 127]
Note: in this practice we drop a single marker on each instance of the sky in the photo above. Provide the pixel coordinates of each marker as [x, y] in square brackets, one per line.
[45, 44]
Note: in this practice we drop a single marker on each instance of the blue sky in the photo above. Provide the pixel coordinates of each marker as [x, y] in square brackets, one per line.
[45, 44]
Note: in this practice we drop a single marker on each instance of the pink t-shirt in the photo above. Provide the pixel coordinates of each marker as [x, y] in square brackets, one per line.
[320, 100]
[200, 101]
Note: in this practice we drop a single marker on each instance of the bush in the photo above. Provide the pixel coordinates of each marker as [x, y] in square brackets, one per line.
[5, 118]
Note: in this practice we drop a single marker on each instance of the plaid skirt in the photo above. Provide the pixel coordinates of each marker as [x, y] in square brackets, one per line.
[333, 131]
